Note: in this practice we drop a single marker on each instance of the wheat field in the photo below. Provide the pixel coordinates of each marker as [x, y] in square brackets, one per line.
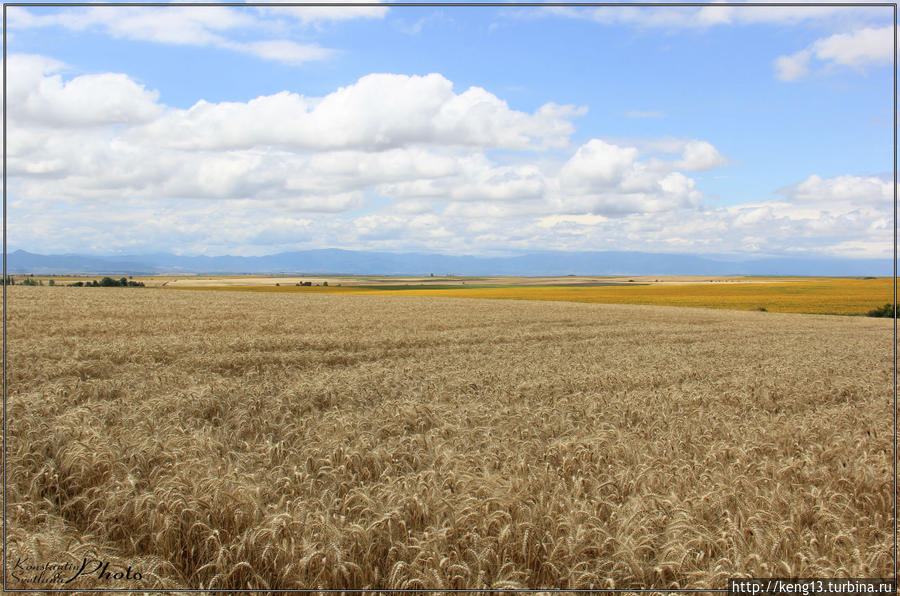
[283, 440]
[836, 296]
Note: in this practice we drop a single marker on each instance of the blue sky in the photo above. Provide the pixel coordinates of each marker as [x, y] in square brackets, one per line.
[457, 130]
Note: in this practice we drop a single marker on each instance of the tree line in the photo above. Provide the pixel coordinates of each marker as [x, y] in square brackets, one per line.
[106, 282]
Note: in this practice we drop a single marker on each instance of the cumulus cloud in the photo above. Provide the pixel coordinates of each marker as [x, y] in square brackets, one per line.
[858, 49]
[209, 179]
[676, 153]
[37, 95]
[764, 227]
[844, 190]
[379, 111]
[700, 155]
[597, 164]
[602, 178]
[405, 137]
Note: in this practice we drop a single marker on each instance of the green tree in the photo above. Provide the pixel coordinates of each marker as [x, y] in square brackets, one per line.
[882, 311]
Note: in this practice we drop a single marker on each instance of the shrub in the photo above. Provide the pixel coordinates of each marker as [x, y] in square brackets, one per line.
[29, 281]
[108, 282]
[882, 311]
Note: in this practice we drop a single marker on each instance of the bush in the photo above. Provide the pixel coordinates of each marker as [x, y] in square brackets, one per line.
[108, 282]
[882, 311]
[29, 281]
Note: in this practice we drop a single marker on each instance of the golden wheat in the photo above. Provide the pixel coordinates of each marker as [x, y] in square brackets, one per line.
[837, 296]
[248, 440]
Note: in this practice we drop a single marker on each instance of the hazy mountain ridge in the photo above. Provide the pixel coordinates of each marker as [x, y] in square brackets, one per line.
[338, 261]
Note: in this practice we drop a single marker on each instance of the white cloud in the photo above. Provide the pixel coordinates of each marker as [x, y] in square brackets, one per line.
[299, 176]
[858, 49]
[842, 190]
[379, 111]
[700, 155]
[194, 26]
[709, 16]
[282, 50]
[176, 25]
[865, 46]
[694, 154]
[597, 164]
[316, 14]
[551, 221]
[403, 137]
[794, 66]
[37, 95]
[426, 21]
[409, 139]
[869, 40]
[765, 227]
[861, 249]
[602, 178]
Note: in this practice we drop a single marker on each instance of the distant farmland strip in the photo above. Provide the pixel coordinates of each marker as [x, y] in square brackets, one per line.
[840, 296]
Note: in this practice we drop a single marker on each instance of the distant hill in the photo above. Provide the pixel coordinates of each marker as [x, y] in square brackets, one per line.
[337, 261]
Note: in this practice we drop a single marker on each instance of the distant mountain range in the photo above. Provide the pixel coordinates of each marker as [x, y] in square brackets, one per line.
[348, 262]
